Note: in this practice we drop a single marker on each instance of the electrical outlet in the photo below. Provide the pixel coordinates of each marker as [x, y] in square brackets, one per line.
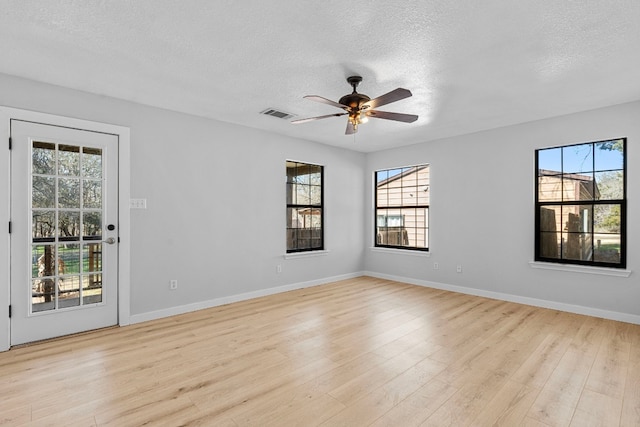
[173, 285]
[278, 269]
[436, 266]
[459, 268]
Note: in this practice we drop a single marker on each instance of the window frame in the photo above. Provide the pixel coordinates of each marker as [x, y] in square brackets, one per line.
[310, 206]
[401, 207]
[621, 202]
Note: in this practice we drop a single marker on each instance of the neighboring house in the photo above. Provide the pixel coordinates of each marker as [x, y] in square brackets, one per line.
[402, 208]
[565, 228]
[576, 186]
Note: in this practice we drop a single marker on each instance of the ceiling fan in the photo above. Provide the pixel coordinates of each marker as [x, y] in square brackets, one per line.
[359, 107]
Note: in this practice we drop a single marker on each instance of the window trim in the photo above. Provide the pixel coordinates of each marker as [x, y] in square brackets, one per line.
[386, 247]
[318, 249]
[585, 269]
[622, 202]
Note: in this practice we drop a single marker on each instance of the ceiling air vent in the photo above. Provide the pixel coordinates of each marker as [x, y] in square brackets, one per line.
[277, 113]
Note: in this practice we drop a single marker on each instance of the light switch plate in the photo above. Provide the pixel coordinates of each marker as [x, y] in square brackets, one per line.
[138, 203]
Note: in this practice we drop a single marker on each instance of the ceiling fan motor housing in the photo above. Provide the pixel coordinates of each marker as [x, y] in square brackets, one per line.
[354, 100]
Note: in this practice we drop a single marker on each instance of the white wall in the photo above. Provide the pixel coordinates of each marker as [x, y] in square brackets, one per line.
[194, 171]
[216, 201]
[482, 215]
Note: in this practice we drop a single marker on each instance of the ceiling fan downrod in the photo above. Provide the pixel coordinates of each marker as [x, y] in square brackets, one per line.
[354, 81]
[354, 100]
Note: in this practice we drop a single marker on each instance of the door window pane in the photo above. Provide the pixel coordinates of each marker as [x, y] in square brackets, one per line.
[91, 162]
[91, 194]
[44, 158]
[43, 224]
[92, 289]
[68, 291]
[68, 160]
[66, 209]
[69, 225]
[92, 225]
[69, 258]
[43, 261]
[92, 258]
[43, 295]
[68, 193]
[43, 193]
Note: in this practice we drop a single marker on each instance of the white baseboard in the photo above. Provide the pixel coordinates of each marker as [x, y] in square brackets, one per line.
[570, 308]
[173, 311]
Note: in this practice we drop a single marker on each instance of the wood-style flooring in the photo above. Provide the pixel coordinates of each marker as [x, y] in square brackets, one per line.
[358, 352]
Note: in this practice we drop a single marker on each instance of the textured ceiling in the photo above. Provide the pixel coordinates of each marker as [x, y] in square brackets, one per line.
[471, 65]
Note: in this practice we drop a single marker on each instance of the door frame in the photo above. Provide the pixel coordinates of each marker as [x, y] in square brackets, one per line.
[124, 221]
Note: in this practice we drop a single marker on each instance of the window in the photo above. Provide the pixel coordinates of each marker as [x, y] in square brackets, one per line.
[402, 208]
[304, 207]
[580, 204]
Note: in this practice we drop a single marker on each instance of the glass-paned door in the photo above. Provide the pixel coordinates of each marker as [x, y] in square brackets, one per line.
[64, 242]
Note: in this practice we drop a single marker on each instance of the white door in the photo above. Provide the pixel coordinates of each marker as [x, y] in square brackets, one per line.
[64, 235]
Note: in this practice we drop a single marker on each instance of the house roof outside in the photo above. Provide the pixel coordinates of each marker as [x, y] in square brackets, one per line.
[584, 182]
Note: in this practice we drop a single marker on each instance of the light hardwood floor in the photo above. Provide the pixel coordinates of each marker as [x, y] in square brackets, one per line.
[352, 353]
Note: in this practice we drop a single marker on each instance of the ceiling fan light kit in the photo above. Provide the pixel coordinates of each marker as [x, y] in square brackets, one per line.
[359, 107]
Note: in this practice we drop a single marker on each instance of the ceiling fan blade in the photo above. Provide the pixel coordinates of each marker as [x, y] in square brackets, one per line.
[310, 119]
[350, 129]
[326, 101]
[388, 98]
[399, 117]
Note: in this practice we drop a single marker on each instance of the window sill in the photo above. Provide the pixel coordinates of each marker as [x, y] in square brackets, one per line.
[401, 251]
[309, 254]
[580, 269]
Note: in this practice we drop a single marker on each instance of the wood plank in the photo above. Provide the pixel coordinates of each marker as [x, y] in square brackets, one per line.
[508, 407]
[380, 400]
[596, 409]
[13, 415]
[542, 361]
[559, 397]
[417, 407]
[631, 400]
[609, 371]
[468, 402]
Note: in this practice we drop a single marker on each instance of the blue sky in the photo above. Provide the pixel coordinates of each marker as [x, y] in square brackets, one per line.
[579, 158]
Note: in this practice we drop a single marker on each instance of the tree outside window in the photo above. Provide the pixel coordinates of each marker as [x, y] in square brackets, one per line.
[581, 204]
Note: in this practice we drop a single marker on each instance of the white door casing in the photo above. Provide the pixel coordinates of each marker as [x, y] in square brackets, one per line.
[119, 253]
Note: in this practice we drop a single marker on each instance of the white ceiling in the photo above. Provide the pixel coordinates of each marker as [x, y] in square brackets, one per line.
[471, 65]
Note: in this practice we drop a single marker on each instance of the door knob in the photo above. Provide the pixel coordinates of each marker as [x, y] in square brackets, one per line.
[110, 240]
